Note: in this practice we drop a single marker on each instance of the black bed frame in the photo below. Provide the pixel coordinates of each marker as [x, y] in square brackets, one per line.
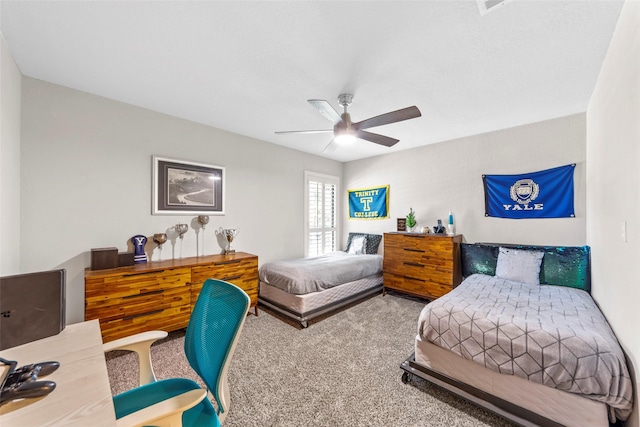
[508, 410]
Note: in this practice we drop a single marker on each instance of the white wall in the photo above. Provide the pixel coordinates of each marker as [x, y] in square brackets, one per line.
[448, 176]
[86, 183]
[10, 99]
[613, 178]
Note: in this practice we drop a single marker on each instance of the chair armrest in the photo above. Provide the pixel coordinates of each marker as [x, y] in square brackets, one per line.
[167, 413]
[141, 344]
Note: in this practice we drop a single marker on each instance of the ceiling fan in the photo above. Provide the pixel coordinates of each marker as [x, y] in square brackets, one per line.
[344, 130]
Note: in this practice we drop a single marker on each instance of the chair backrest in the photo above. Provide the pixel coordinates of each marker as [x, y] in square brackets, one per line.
[214, 327]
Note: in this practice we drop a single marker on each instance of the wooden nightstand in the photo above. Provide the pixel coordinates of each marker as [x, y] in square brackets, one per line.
[424, 265]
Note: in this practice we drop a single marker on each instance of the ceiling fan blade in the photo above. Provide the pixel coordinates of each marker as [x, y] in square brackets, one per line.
[326, 110]
[331, 147]
[376, 138]
[303, 131]
[387, 118]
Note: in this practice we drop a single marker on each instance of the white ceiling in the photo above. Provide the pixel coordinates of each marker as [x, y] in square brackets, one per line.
[249, 67]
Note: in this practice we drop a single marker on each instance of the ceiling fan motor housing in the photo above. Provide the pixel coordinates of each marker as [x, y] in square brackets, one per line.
[345, 99]
[342, 130]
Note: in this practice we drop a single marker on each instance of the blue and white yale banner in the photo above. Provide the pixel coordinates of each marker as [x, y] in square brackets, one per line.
[369, 203]
[544, 194]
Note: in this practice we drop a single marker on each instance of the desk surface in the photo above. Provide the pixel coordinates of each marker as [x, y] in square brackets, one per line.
[82, 396]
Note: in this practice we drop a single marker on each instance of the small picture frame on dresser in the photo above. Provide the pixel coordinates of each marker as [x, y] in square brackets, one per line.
[402, 224]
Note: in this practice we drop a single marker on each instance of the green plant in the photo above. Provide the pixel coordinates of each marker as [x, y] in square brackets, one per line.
[411, 218]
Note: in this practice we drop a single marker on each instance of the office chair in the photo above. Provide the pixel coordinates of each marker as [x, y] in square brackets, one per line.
[209, 343]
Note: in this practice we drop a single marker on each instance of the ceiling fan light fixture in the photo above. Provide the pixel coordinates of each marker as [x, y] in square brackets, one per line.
[345, 137]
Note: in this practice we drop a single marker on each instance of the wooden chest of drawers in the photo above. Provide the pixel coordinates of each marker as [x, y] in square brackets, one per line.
[160, 295]
[424, 265]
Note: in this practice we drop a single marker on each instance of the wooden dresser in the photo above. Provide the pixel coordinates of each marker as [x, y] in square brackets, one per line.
[160, 295]
[424, 265]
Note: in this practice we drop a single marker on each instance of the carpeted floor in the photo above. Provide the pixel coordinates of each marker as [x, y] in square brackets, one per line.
[341, 371]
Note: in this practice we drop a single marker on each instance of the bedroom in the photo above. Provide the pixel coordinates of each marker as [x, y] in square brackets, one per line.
[90, 165]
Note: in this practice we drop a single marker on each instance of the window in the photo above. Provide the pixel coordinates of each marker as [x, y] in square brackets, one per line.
[321, 213]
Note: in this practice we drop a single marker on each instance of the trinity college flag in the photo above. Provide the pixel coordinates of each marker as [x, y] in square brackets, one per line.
[544, 194]
[369, 203]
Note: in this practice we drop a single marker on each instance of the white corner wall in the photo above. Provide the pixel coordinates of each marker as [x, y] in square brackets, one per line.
[613, 178]
[448, 176]
[10, 101]
[86, 183]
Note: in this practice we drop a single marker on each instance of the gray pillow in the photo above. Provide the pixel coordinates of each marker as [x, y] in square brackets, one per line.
[519, 266]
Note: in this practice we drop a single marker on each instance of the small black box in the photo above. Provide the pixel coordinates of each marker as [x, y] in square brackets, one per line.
[103, 258]
[125, 258]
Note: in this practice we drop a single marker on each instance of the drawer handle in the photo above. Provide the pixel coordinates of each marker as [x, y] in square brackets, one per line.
[232, 277]
[414, 235]
[413, 278]
[148, 313]
[413, 250]
[235, 261]
[142, 274]
[159, 291]
[413, 264]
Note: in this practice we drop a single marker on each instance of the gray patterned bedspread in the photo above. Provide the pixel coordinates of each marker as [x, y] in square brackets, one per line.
[304, 275]
[548, 334]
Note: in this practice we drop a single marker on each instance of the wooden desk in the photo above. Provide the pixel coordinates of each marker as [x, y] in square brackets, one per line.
[82, 396]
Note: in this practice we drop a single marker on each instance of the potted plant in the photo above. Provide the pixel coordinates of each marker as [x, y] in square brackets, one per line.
[411, 220]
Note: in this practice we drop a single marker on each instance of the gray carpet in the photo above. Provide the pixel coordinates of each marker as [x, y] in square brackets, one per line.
[342, 370]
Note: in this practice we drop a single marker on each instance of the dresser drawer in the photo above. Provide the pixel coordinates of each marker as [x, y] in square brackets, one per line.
[241, 272]
[421, 287]
[435, 273]
[127, 284]
[134, 304]
[168, 319]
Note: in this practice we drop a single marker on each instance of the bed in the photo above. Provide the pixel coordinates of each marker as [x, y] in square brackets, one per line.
[306, 288]
[522, 337]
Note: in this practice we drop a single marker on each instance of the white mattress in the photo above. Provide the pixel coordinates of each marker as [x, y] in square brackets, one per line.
[302, 304]
[565, 408]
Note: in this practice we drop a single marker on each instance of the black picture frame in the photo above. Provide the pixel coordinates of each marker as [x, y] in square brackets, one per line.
[183, 187]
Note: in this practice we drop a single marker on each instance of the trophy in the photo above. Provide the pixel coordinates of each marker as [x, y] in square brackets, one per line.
[160, 239]
[181, 229]
[229, 234]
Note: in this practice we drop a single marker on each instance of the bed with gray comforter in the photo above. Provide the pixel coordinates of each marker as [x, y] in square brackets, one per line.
[305, 275]
[552, 335]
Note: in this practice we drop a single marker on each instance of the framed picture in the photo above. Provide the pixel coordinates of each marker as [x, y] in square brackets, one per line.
[187, 188]
[402, 224]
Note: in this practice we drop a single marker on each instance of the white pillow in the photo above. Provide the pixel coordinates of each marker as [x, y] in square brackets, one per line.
[358, 245]
[519, 266]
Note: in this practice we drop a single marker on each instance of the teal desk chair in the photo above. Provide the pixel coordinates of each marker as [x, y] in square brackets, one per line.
[209, 344]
